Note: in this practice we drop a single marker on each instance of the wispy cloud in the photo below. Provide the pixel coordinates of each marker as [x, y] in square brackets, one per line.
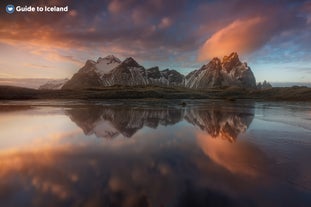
[239, 36]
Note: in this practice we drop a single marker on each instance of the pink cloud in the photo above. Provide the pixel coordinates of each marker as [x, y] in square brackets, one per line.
[242, 36]
[237, 158]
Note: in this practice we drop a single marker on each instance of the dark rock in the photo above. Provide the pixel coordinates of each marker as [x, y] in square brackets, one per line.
[216, 74]
[111, 71]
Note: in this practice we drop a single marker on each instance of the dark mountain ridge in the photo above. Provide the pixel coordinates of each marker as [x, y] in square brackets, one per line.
[228, 72]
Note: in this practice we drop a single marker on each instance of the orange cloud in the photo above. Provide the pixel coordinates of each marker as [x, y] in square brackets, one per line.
[242, 36]
[238, 158]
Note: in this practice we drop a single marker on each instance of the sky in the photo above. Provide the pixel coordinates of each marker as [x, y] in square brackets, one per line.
[272, 36]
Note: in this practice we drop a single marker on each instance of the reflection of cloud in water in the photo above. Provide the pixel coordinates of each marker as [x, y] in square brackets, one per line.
[99, 178]
[155, 175]
[240, 157]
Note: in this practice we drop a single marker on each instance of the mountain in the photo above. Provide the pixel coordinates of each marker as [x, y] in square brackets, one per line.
[90, 75]
[130, 73]
[111, 71]
[54, 84]
[264, 85]
[228, 72]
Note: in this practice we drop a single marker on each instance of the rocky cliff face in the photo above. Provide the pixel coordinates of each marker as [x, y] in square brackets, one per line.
[128, 73]
[228, 72]
[91, 74]
[111, 71]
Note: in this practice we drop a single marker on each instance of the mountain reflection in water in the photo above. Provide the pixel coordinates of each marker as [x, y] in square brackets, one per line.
[209, 153]
[224, 121]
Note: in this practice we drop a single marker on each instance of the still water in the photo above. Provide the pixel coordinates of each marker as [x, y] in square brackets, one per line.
[155, 153]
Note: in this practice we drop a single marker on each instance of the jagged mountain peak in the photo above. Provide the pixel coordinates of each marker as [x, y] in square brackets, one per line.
[231, 61]
[232, 57]
[111, 71]
[215, 60]
[90, 62]
[228, 72]
[130, 62]
[214, 64]
[153, 70]
[156, 68]
[109, 58]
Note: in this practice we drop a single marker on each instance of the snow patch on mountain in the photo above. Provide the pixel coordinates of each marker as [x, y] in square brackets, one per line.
[106, 64]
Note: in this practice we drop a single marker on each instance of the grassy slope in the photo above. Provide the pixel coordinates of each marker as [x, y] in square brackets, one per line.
[119, 92]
